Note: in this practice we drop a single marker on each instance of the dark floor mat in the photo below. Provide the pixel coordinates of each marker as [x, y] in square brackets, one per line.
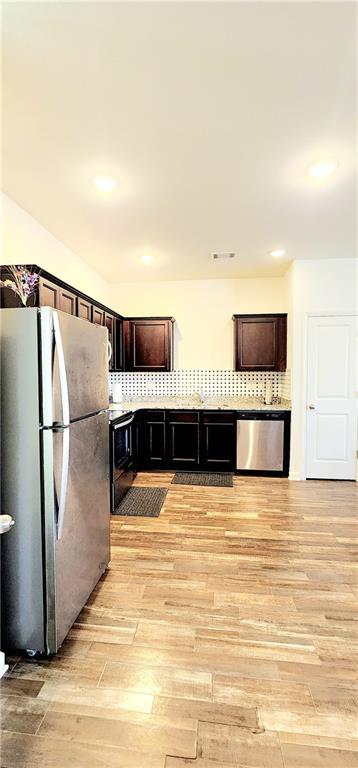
[224, 479]
[142, 502]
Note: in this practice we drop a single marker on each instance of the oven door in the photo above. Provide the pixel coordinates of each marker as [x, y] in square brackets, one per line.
[122, 470]
[122, 443]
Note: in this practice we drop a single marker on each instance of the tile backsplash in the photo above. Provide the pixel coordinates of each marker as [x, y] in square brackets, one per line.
[211, 383]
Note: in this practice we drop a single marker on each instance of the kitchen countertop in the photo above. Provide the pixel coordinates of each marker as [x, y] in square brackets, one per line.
[209, 403]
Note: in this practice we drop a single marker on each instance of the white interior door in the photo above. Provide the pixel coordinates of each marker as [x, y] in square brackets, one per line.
[331, 398]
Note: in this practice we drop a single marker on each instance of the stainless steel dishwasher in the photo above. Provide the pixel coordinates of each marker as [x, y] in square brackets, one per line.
[260, 443]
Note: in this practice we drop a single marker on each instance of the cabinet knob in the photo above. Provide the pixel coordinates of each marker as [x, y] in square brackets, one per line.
[312, 407]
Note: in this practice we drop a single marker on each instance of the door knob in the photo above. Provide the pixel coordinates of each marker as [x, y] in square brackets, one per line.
[312, 407]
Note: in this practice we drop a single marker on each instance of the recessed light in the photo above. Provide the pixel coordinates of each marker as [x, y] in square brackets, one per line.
[278, 253]
[147, 258]
[104, 183]
[322, 169]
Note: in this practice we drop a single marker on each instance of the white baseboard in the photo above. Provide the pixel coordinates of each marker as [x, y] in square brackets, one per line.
[3, 667]
[295, 476]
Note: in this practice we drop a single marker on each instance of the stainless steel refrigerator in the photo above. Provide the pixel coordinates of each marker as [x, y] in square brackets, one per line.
[54, 472]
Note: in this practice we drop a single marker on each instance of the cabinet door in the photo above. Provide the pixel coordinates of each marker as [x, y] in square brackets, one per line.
[152, 439]
[183, 440]
[84, 309]
[260, 342]
[49, 294]
[97, 315]
[109, 321]
[218, 441]
[148, 345]
[118, 344]
[68, 301]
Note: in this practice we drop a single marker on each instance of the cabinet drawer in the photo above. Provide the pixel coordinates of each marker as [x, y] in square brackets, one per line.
[153, 416]
[184, 417]
[218, 417]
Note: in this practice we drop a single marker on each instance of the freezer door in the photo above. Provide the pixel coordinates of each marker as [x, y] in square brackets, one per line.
[74, 363]
[77, 540]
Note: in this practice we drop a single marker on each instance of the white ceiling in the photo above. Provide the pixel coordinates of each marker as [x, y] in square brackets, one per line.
[207, 114]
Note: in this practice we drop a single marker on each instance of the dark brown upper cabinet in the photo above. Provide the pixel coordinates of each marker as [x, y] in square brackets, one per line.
[148, 343]
[97, 315]
[68, 302]
[49, 294]
[53, 292]
[118, 343]
[84, 309]
[52, 295]
[260, 342]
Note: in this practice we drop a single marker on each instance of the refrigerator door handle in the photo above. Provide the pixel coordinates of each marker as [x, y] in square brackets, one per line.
[62, 371]
[64, 480]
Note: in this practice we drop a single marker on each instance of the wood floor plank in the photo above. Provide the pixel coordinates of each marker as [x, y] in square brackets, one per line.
[21, 714]
[72, 693]
[17, 686]
[153, 680]
[236, 746]
[277, 695]
[151, 735]
[207, 711]
[60, 668]
[302, 756]
[20, 751]
[224, 634]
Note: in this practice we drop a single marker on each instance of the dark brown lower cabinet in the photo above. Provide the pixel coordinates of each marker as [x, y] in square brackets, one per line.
[195, 440]
[183, 439]
[152, 439]
[187, 440]
[218, 441]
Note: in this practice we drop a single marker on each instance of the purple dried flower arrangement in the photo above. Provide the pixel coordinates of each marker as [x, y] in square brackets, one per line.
[24, 282]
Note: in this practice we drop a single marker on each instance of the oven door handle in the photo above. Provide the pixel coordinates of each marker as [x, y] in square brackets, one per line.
[124, 423]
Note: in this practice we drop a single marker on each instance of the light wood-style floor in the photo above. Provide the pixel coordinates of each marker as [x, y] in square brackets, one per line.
[223, 635]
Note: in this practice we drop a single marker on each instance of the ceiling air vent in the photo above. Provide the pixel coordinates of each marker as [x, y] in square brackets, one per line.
[224, 255]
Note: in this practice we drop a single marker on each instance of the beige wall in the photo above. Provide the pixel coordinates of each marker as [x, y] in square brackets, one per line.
[202, 308]
[25, 241]
[314, 286]
[203, 311]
